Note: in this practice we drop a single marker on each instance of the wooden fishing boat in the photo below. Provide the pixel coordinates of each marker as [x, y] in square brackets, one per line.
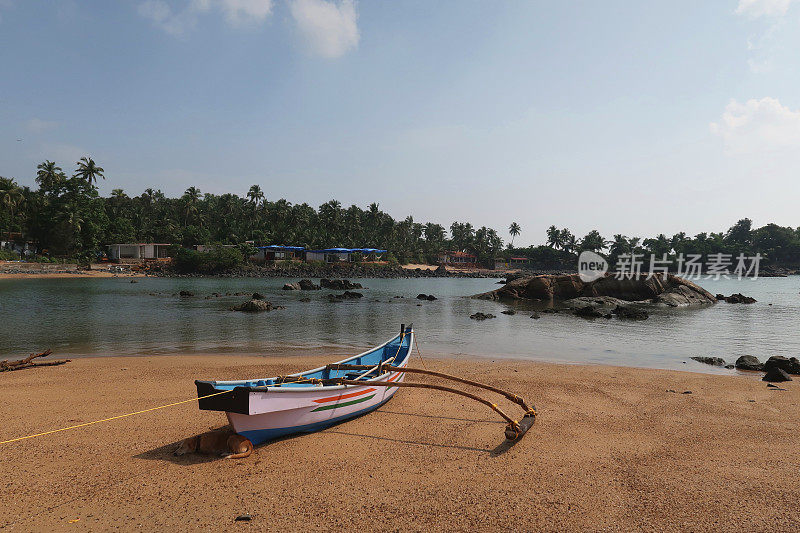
[268, 408]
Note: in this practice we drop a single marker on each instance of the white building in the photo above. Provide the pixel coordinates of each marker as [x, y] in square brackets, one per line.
[120, 252]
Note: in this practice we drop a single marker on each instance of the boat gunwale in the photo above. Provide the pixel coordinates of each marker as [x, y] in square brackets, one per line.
[314, 388]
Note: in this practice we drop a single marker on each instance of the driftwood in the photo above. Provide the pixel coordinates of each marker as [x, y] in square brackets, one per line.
[29, 362]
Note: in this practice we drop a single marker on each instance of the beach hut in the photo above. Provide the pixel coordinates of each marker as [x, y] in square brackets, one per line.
[458, 259]
[344, 255]
[276, 252]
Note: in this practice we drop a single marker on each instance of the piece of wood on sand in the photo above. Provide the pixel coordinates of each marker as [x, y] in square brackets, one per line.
[29, 362]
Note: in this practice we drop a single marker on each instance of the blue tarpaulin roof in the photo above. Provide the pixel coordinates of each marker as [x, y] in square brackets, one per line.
[278, 247]
[350, 250]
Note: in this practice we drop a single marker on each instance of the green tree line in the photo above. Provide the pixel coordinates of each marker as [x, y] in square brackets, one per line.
[67, 217]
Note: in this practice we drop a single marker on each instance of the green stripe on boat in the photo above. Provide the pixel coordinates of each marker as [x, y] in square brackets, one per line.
[343, 404]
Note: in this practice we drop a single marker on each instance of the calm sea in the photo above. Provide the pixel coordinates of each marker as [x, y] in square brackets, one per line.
[115, 317]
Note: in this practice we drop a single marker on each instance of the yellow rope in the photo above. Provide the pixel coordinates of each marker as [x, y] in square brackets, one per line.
[416, 343]
[113, 417]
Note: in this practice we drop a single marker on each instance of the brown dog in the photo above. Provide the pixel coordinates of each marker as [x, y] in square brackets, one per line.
[225, 443]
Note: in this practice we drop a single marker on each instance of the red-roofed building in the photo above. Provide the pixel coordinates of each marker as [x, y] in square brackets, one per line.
[458, 259]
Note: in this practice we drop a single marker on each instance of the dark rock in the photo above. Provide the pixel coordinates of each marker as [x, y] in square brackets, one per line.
[588, 312]
[502, 282]
[749, 362]
[713, 361]
[291, 286]
[422, 296]
[134, 281]
[776, 375]
[186, 294]
[431, 297]
[257, 296]
[308, 285]
[740, 298]
[243, 518]
[255, 306]
[686, 392]
[550, 310]
[729, 366]
[608, 315]
[339, 284]
[790, 366]
[481, 316]
[672, 290]
[346, 295]
[509, 312]
[536, 316]
[305, 299]
[720, 297]
[630, 313]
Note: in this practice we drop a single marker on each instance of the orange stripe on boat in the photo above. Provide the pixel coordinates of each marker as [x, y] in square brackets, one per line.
[344, 396]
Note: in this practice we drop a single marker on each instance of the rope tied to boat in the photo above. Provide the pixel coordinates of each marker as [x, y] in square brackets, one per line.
[113, 417]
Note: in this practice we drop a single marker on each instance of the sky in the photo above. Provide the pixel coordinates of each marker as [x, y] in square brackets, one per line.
[627, 117]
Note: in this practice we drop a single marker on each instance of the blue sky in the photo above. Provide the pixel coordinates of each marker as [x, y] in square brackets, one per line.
[627, 117]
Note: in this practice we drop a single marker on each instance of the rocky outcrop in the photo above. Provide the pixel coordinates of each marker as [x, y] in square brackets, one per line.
[255, 306]
[346, 295]
[339, 284]
[429, 297]
[481, 316]
[749, 362]
[291, 286]
[672, 291]
[788, 365]
[740, 298]
[776, 375]
[308, 285]
[713, 361]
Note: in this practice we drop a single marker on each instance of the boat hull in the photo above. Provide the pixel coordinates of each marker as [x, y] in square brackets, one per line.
[264, 413]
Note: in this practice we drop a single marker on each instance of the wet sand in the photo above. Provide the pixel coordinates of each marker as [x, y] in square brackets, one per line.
[12, 270]
[611, 450]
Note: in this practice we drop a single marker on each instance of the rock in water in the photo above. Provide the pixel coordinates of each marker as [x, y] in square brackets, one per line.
[186, 294]
[740, 298]
[257, 296]
[339, 284]
[776, 375]
[421, 296]
[749, 362]
[790, 366]
[535, 316]
[431, 298]
[254, 306]
[291, 286]
[672, 290]
[588, 312]
[307, 285]
[509, 312]
[481, 316]
[720, 297]
[630, 313]
[346, 295]
[713, 361]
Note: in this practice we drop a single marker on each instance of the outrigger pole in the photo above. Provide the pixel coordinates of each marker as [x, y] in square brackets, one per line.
[515, 429]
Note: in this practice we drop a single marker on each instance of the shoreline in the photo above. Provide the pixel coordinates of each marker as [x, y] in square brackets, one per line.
[612, 449]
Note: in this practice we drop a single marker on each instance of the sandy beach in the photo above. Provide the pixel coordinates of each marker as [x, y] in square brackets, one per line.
[13, 270]
[612, 450]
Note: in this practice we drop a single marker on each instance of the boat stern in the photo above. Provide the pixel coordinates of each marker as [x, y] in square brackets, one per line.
[237, 400]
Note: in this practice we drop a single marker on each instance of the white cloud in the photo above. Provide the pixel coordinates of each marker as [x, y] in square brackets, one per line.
[37, 125]
[758, 126]
[758, 8]
[177, 22]
[329, 27]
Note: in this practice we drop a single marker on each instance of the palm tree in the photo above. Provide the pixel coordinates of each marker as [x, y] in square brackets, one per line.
[554, 237]
[88, 170]
[191, 197]
[255, 195]
[514, 230]
[48, 175]
[11, 197]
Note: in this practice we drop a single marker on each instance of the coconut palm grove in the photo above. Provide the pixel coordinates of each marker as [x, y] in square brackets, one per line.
[66, 219]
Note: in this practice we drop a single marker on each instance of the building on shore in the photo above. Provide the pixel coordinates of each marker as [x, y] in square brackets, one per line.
[345, 255]
[279, 253]
[502, 263]
[137, 251]
[458, 259]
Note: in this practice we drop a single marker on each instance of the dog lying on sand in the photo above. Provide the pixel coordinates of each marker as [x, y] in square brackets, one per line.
[224, 443]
